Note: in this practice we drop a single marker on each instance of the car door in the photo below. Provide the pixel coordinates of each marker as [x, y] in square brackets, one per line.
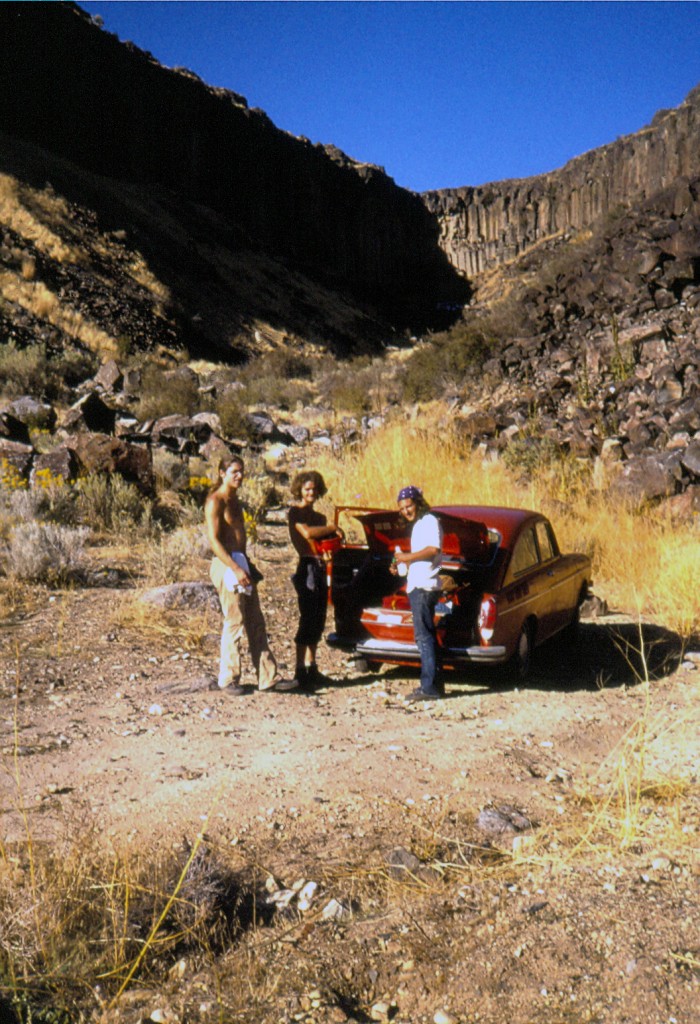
[563, 571]
[528, 591]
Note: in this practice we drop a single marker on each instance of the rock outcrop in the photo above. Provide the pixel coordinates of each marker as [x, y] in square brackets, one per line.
[104, 105]
[491, 224]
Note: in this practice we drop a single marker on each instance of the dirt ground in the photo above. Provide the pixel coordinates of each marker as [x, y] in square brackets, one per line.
[503, 916]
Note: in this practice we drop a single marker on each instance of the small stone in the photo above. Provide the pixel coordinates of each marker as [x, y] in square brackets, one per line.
[380, 1011]
[335, 911]
[443, 1017]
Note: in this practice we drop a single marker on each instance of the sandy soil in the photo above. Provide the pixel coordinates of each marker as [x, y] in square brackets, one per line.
[107, 724]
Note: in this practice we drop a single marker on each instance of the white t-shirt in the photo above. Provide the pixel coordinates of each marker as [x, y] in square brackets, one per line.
[425, 534]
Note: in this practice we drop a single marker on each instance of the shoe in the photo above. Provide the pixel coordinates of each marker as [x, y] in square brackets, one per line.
[282, 686]
[422, 695]
[233, 689]
[314, 676]
[301, 675]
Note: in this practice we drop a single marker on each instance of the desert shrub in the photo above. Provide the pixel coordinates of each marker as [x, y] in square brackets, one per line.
[164, 394]
[44, 552]
[112, 504]
[358, 386]
[281, 363]
[447, 360]
[278, 378]
[230, 409]
[258, 494]
[171, 471]
[10, 477]
[23, 371]
[55, 498]
[167, 555]
[277, 391]
[70, 367]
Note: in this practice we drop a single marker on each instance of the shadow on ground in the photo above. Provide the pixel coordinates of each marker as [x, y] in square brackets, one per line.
[606, 655]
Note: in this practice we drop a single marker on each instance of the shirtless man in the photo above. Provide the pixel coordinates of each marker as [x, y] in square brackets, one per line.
[231, 575]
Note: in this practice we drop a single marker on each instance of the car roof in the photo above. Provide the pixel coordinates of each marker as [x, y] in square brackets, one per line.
[508, 521]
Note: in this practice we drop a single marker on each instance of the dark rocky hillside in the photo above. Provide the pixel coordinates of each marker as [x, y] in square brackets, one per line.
[141, 209]
[599, 353]
[222, 171]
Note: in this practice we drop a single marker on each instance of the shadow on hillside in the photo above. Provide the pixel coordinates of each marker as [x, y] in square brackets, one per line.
[607, 655]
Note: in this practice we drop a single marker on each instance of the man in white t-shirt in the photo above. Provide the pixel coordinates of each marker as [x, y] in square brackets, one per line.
[422, 585]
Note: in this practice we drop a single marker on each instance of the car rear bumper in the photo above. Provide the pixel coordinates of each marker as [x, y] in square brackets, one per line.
[388, 650]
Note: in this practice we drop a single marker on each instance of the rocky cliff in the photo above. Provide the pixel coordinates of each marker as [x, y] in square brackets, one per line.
[489, 225]
[106, 106]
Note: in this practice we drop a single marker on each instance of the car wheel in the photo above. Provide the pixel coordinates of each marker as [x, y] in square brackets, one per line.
[522, 658]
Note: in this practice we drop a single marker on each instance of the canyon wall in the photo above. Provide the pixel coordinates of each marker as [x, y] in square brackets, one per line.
[489, 225]
[76, 90]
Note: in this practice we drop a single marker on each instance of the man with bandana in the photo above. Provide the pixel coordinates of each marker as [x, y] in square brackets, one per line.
[422, 585]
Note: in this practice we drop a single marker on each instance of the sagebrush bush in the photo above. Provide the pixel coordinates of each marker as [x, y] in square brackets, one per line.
[279, 378]
[166, 394]
[112, 504]
[230, 408]
[44, 552]
[167, 555]
[171, 471]
[30, 371]
[446, 361]
[23, 371]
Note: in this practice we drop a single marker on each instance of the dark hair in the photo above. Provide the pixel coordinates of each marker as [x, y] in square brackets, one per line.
[228, 460]
[422, 507]
[224, 462]
[306, 476]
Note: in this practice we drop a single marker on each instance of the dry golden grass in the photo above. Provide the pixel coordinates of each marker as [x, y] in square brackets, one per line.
[186, 629]
[40, 301]
[16, 216]
[642, 564]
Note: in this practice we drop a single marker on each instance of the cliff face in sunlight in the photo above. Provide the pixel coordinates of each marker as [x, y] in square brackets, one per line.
[492, 224]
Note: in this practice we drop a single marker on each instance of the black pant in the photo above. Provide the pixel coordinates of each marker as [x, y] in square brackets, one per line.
[311, 586]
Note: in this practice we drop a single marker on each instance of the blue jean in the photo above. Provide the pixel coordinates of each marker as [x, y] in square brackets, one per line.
[423, 609]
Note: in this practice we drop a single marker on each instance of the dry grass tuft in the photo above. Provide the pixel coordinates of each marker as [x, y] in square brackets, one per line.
[644, 563]
[190, 630]
[15, 213]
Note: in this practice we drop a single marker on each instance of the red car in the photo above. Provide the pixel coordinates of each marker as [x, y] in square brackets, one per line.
[506, 588]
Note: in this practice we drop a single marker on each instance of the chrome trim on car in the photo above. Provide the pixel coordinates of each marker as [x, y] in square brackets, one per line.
[397, 649]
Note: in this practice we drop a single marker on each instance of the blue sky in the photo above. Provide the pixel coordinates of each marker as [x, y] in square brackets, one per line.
[441, 94]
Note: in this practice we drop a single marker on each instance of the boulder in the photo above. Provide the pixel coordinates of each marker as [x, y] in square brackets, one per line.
[109, 377]
[99, 453]
[13, 429]
[648, 477]
[690, 459]
[15, 460]
[90, 413]
[183, 596]
[61, 463]
[33, 413]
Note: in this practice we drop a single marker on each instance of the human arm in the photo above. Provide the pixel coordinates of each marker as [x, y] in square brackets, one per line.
[311, 531]
[427, 533]
[426, 554]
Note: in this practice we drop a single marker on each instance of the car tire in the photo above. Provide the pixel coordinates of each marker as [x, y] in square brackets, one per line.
[522, 659]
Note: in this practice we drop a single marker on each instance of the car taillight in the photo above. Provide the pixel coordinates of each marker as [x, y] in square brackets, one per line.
[487, 618]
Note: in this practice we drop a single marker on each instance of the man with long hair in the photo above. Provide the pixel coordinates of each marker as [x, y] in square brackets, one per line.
[422, 585]
[233, 577]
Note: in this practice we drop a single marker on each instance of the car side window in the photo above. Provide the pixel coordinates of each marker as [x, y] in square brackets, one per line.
[544, 539]
[525, 555]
